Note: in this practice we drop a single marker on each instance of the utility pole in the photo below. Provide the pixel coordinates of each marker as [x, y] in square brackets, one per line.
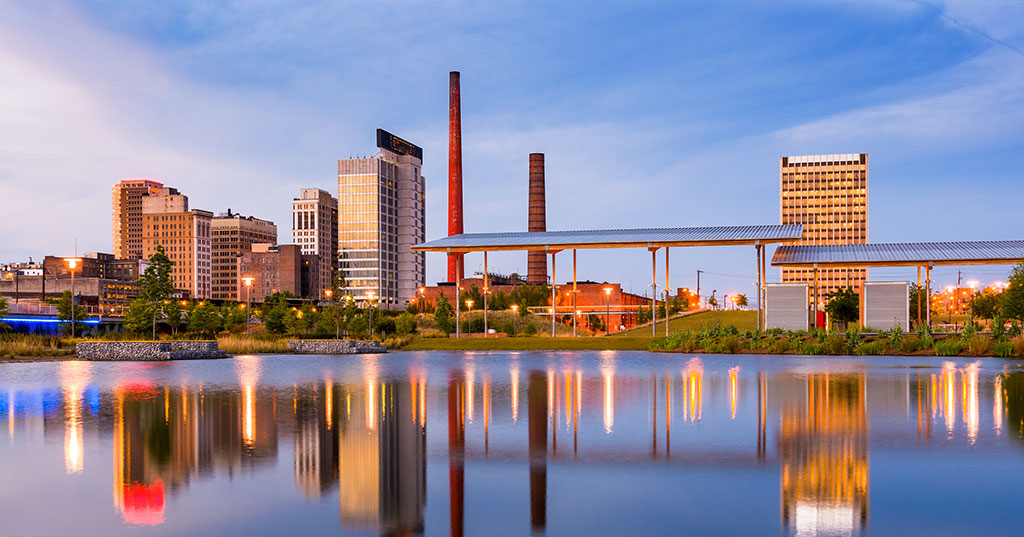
[698, 288]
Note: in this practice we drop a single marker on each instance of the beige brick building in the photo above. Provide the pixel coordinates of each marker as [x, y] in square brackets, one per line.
[315, 231]
[233, 235]
[828, 195]
[185, 236]
[126, 215]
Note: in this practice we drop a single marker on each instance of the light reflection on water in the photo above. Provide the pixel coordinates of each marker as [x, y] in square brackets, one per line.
[650, 442]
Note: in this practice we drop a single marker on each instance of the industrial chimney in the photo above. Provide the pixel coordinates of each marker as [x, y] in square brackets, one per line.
[455, 270]
[536, 263]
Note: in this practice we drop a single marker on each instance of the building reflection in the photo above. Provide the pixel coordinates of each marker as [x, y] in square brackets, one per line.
[823, 455]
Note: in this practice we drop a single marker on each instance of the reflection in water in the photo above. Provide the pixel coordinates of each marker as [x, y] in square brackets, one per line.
[823, 452]
[361, 432]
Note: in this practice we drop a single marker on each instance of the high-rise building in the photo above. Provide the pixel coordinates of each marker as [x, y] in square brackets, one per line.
[828, 194]
[315, 230]
[185, 236]
[381, 215]
[232, 235]
[126, 215]
[274, 269]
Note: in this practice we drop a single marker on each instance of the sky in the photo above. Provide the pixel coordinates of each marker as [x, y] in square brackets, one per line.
[650, 114]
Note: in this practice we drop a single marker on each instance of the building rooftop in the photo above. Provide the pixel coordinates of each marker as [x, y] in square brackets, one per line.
[614, 238]
[902, 254]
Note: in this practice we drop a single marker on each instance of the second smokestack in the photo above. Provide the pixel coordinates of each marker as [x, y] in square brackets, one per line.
[536, 261]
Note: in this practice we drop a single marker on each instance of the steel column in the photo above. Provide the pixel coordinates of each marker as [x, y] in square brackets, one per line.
[458, 297]
[666, 291]
[553, 294]
[487, 289]
[574, 293]
[654, 292]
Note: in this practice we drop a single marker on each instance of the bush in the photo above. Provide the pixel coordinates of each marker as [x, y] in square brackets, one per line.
[810, 348]
[1018, 345]
[405, 324]
[781, 345]
[733, 344]
[949, 347]
[978, 344]
[1003, 349]
[835, 344]
[871, 348]
[530, 330]
[998, 328]
[910, 344]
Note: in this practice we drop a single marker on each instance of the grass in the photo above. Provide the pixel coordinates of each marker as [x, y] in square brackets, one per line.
[623, 343]
[742, 320]
[24, 345]
[240, 345]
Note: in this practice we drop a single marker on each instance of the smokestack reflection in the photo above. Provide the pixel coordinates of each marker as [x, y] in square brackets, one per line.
[538, 393]
[456, 452]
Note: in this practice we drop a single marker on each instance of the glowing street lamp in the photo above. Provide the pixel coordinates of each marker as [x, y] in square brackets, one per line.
[72, 265]
[515, 313]
[248, 302]
[369, 297]
[607, 311]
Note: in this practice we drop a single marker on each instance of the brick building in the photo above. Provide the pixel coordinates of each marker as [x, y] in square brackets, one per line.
[278, 269]
[232, 235]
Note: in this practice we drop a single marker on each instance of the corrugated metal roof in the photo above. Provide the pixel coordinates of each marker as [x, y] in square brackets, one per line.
[614, 238]
[906, 253]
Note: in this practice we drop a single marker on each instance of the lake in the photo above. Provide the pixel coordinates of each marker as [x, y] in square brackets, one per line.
[507, 443]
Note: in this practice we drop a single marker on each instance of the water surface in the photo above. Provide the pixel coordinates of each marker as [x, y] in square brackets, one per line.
[506, 443]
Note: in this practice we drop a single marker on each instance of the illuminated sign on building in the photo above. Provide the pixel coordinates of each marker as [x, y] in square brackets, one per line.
[386, 140]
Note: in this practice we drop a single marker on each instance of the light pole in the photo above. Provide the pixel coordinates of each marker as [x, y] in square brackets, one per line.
[423, 307]
[72, 264]
[469, 317]
[369, 308]
[515, 313]
[248, 305]
[607, 311]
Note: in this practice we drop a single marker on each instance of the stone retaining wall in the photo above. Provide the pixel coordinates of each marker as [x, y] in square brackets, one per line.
[148, 350]
[335, 346]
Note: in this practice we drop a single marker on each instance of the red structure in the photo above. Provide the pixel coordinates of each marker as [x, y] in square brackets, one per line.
[455, 267]
[536, 262]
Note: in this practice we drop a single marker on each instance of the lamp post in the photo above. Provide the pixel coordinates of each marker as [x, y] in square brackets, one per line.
[248, 304]
[515, 313]
[423, 307]
[72, 265]
[469, 317]
[607, 311]
[369, 308]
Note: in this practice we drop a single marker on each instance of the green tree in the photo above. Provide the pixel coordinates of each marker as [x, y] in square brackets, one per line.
[233, 315]
[985, 304]
[914, 291]
[204, 320]
[843, 305]
[338, 284]
[1013, 296]
[64, 313]
[138, 317]
[332, 318]
[443, 315]
[155, 284]
[357, 326]
[741, 301]
[405, 324]
[3, 313]
[173, 315]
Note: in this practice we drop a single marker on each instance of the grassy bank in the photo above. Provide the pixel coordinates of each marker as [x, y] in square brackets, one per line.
[632, 343]
[742, 320]
[240, 345]
[25, 346]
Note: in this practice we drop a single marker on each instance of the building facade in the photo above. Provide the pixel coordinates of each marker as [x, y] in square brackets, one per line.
[232, 235]
[185, 237]
[828, 195]
[126, 215]
[381, 215]
[315, 231]
[275, 269]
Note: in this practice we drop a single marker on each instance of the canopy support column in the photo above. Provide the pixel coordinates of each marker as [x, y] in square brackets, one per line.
[918, 295]
[487, 289]
[553, 294]
[574, 315]
[458, 296]
[654, 291]
[666, 291]
[928, 294]
[762, 291]
[815, 295]
[757, 251]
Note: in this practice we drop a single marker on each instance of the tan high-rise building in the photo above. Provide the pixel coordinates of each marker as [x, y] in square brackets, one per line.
[381, 215]
[828, 194]
[185, 236]
[126, 215]
[315, 230]
[233, 235]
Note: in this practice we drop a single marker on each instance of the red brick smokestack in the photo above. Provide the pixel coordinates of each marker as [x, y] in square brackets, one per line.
[536, 262]
[454, 171]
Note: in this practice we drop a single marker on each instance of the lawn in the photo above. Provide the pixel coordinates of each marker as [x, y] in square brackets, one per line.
[637, 343]
[742, 320]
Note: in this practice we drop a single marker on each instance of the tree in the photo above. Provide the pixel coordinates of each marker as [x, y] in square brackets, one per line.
[338, 284]
[332, 318]
[358, 326]
[443, 315]
[843, 305]
[138, 316]
[204, 320]
[3, 313]
[173, 315]
[914, 291]
[741, 300]
[155, 284]
[232, 315]
[64, 306]
[985, 304]
[405, 324]
[1013, 296]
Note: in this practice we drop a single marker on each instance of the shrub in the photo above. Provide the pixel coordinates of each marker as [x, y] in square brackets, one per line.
[853, 339]
[1002, 349]
[405, 324]
[732, 344]
[871, 348]
[432, 332]
[811, 348]
[781, 345]
[998, 328]
[910, 344]
[978, 344]
[835, 344]
[530, 330]
[1018, 345]
[949, 347]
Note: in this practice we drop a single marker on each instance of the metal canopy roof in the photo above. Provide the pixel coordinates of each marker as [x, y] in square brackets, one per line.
[613, 238]
[902, 254]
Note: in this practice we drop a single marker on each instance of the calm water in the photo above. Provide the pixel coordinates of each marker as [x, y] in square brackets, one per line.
[608, 443]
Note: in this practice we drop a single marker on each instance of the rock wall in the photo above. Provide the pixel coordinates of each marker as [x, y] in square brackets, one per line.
[148, 350]
[335, 346]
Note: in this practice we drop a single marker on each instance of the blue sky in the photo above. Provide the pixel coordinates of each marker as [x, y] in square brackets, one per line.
[651, 114]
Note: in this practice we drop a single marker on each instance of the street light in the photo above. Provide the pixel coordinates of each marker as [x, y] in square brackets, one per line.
[248, 303]
[72, 265]
[469, 318]
[369, 295]
[515, 313]
[607, 311]
[423, 307]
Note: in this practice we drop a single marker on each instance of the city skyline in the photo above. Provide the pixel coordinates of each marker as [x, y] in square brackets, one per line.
[931, 91]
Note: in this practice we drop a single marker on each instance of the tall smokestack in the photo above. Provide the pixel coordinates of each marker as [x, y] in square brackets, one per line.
[455, 270]
[536, 262]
